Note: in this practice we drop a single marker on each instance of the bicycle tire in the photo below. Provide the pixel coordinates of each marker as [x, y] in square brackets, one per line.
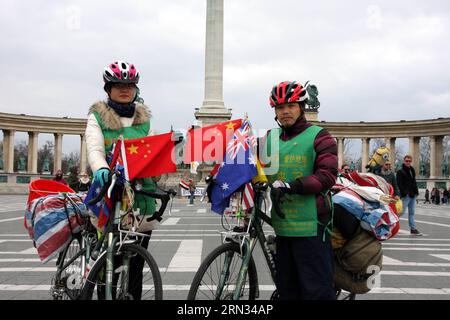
[200, 288]
[71, 275]
[149, 288]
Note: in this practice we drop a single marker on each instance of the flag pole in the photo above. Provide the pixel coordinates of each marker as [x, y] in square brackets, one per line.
[124, 157]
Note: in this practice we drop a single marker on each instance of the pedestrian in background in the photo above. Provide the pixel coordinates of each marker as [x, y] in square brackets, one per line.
[84, 182]
[191, 192]
[406, 181]
[387, 174]
[59, 177]
[427, 196]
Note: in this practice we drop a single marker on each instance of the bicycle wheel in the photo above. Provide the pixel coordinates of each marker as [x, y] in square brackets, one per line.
[209, 282]
[139, 280]
[68, 285]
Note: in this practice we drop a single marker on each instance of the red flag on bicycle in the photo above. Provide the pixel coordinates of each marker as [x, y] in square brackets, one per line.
[148, 156]
[209, 143]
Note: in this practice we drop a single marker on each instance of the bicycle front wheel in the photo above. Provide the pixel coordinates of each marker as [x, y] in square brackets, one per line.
[135, 276]
[217, 276]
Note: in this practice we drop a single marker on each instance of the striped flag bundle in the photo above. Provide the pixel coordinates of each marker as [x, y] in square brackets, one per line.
[50, 222]
[184, 185]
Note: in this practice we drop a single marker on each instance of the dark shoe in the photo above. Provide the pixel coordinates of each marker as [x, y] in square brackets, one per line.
[416, 232]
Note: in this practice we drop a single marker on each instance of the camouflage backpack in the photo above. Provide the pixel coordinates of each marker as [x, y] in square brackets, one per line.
[357, 262]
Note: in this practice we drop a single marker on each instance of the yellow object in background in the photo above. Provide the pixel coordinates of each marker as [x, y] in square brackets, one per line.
[399, 207]
[261, 177]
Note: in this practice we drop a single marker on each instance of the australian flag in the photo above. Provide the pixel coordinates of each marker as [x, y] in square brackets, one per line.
[101, 209]
[237, 169]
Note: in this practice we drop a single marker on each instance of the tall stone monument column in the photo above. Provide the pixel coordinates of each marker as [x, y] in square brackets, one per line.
[213, 108]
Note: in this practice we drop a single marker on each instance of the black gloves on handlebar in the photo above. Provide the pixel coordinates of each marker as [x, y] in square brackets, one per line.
[283, 186]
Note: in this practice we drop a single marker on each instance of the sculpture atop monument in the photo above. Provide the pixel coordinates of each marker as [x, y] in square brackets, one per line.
[312, 103]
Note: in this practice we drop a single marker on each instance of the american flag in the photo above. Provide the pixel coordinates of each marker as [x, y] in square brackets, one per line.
[248, 195]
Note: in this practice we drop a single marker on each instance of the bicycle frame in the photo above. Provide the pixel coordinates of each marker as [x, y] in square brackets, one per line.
[114, 235]
[248, 240]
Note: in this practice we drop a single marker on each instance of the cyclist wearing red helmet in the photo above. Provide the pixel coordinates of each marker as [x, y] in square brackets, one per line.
[123, 113]
[308, 167]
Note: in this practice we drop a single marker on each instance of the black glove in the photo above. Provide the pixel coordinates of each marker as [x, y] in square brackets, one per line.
[283, 186]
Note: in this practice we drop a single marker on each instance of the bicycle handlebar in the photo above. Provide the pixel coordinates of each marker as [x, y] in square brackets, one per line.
[163, 195]
[276, 195]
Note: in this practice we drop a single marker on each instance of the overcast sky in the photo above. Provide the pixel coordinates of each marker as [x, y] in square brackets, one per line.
[371, 60]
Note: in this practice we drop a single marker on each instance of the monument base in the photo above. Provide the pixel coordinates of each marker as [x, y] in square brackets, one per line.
[212, 115]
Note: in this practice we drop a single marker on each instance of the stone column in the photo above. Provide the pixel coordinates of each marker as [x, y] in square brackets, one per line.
[58, 152]
[32, 152]
[8, 150]
[213, 109]
[340, 145]
[365, 153]
[436, 153]
[83, 154]
[414, 151]
[390, 143]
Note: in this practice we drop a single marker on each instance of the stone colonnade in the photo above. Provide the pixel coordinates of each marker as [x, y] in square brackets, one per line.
[32, 163]
[436, 152]
[435, 129]
[10, 124]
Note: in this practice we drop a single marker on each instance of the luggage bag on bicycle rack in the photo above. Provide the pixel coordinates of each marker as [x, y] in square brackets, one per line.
[51, 219]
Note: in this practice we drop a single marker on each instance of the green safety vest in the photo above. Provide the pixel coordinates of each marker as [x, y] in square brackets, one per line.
[296, 158]
[145, 204]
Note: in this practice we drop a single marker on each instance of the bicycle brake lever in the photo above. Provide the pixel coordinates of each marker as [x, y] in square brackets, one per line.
[111, 186]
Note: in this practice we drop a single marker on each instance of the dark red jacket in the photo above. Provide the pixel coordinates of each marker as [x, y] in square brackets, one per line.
[325, 167]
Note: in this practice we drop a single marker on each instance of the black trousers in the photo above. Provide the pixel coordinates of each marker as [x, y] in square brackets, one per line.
[305, 267]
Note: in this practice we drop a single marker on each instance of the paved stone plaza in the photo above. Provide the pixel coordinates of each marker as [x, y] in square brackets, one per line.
[414, 267]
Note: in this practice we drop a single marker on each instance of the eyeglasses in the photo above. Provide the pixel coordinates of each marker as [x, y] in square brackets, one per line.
[407, 160]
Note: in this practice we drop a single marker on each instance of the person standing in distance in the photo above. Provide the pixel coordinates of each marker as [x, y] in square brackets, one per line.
[407, 185]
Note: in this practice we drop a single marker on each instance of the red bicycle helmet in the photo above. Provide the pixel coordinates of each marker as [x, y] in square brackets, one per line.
[287, 92]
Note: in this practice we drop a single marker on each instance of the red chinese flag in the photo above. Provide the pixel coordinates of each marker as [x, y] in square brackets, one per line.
[209, 143]
[149, 156]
